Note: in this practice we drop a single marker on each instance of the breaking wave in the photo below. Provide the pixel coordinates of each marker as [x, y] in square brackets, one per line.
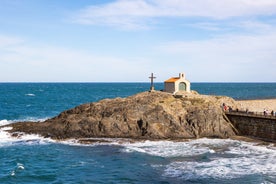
[32, 119]
[210, 158]
[7, 139]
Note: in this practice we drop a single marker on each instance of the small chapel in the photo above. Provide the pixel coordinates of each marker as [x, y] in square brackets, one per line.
[177, 84]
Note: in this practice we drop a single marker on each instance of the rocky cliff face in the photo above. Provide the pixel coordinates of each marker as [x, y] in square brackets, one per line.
[147, 115]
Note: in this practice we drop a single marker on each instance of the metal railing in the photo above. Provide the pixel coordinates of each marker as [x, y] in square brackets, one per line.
[251, 114]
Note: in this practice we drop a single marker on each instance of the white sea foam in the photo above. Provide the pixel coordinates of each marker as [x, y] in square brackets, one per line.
[5, 122]
[222, 167]
[32, 119]
[6, 139]
[13, 173]
[19, 167]
[96, 141]
[30, 94]
[221, 158]
[176, 149]
[6, 128]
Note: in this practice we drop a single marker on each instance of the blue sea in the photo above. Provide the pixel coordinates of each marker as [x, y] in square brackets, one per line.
[34, 159]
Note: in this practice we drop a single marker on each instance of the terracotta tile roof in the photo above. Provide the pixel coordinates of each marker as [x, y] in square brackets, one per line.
[173, 79]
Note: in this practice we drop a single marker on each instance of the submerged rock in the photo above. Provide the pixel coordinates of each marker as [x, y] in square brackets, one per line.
[147, 115]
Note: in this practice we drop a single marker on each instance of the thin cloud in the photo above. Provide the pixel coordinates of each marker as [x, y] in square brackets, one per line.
[24, 61]
[227, 46]
[231, 57]
[6, 41]
[141, 13]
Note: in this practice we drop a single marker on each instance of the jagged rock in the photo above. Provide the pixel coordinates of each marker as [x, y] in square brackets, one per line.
[147, 115]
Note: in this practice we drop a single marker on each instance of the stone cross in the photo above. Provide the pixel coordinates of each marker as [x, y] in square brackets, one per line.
[151, 81]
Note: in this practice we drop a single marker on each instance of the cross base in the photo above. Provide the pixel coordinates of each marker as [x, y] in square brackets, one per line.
[151, 82]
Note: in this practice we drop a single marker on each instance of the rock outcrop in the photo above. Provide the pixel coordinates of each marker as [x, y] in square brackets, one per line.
[147, 115]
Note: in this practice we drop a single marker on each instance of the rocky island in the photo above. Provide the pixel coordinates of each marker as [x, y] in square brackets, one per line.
[146, 115]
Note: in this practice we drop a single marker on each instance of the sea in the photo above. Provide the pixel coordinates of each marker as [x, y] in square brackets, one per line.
[34, 159]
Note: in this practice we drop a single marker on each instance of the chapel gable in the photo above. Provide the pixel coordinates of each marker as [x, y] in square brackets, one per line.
[177, 84]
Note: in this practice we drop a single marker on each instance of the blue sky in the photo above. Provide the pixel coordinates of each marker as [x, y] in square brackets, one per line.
[126, 40]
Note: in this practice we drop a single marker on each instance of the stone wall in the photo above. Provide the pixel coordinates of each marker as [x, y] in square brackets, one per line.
[169, 87]
[256, 126]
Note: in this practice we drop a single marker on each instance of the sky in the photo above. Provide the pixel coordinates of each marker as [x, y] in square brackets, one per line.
[127, 40]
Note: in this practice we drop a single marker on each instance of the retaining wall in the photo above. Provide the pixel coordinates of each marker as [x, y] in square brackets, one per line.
[263, 127]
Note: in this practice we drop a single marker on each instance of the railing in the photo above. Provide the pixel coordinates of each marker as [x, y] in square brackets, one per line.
[252, 114]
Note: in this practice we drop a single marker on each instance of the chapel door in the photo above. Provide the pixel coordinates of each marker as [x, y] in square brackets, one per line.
[182, 86]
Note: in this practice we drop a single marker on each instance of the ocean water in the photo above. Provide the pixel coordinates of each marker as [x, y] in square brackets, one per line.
[33, 159]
